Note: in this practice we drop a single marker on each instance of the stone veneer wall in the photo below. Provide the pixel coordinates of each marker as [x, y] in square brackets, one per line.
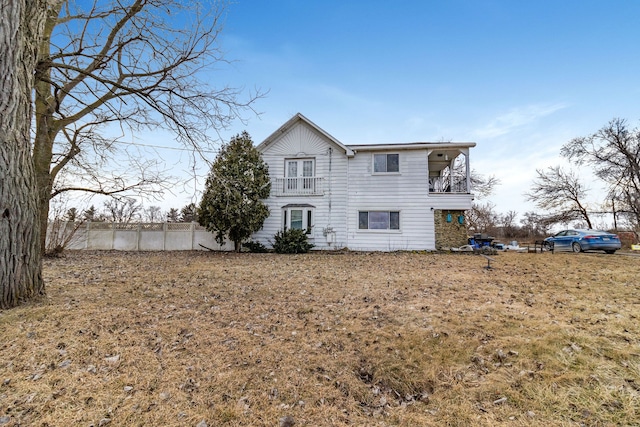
[449, 234]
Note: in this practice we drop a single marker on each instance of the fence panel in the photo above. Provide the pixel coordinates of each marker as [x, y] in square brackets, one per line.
[142, 237]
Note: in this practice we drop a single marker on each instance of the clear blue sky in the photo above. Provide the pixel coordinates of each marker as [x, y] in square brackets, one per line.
[519, 78]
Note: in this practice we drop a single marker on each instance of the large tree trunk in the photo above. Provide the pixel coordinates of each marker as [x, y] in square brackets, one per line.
[46, 127]
[20, 256]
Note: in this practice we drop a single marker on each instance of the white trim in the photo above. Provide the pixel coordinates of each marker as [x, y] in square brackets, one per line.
[386, 172]
[306, 210]
[290, 123]
[379, 230]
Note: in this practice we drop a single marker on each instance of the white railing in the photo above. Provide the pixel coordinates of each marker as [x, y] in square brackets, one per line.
[443, 185]
[305, 186]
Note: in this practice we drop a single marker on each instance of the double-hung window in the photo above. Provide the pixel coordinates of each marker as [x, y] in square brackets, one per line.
[386, 163]
[298, 217]
[379, 220]
[300, 174]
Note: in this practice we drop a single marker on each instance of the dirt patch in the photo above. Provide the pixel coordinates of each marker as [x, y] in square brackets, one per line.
[405, 339]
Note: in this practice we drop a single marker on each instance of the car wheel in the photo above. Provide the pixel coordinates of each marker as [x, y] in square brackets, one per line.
[576, 247]
[610, 251]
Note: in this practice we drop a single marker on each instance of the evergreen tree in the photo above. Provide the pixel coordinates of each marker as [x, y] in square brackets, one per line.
[90, 214]
[232, 202]
[189, 213]
[173, 215]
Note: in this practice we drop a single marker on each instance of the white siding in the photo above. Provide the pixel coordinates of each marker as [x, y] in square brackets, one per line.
[350, 186]
[406, 192]
[302, 141]
[453, 201]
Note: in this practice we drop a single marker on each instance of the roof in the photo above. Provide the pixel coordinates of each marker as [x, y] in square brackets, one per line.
[350, 150]
[290, 123]
[411, 146]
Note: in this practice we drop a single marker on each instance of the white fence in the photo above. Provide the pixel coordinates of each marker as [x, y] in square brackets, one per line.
[168, 236]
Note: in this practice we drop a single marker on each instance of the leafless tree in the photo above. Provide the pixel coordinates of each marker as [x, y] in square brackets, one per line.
[614, 154]
[535, 225]
[63, 227]
[122, 210]
[21, 24]
[109, 69]
[483, 218]
[483, 186]
[561, 194]
[508, 225]
[152, 214]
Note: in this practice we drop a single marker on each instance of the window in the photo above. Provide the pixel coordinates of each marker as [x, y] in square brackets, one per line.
[300, 174]
[379, 220]
[298, 217]
[386, 163]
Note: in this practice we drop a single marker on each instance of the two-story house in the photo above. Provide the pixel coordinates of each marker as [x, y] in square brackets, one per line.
[365, 197]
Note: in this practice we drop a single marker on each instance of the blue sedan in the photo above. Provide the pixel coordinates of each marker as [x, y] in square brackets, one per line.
[584, 240]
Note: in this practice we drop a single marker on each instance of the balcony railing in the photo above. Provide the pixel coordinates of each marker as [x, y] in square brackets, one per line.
[305, 186]
[444, 185]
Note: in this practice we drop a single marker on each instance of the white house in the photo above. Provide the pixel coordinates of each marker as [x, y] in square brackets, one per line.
[388, 197]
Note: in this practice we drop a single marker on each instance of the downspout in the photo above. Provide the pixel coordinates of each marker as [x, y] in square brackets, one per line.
[330, 165]
[347, 204]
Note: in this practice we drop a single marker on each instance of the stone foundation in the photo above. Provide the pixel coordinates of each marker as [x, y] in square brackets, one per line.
[449, 234]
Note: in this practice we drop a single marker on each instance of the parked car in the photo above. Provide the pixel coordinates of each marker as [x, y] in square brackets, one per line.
[584, 240]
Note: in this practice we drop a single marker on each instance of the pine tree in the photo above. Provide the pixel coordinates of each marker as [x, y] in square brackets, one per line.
[189, 213]
[232, 202]
[173, 215]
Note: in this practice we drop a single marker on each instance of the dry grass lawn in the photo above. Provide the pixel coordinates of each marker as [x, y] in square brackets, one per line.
[401, 339]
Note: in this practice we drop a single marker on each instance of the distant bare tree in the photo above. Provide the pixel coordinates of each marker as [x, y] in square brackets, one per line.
[561, 194]
[122, 210]
[483, 218]
[614, 154]
[107, 69]
[63, 226]
[152, 214]
[508, 224]
[535, 225]
[483, 186]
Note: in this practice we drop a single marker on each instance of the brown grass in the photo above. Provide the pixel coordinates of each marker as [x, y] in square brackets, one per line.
[404, 339]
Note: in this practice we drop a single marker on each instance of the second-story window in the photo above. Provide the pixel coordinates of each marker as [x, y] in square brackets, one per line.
[299, 174]
[386, 163]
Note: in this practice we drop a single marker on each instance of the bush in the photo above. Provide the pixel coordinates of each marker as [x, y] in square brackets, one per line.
[255, 247]
[291, 242]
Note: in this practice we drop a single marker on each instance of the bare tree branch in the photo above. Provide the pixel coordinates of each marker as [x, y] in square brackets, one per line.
[108, 70]
[560, 193]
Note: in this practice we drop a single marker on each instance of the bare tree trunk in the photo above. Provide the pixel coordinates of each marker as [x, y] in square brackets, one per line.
[46, 128]
[20, 256]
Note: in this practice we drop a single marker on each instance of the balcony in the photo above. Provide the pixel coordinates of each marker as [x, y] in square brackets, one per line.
[446, 185]
[304, 186]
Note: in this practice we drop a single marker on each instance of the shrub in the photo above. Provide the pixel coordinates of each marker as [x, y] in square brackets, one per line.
[291, 242]
[255, 247]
